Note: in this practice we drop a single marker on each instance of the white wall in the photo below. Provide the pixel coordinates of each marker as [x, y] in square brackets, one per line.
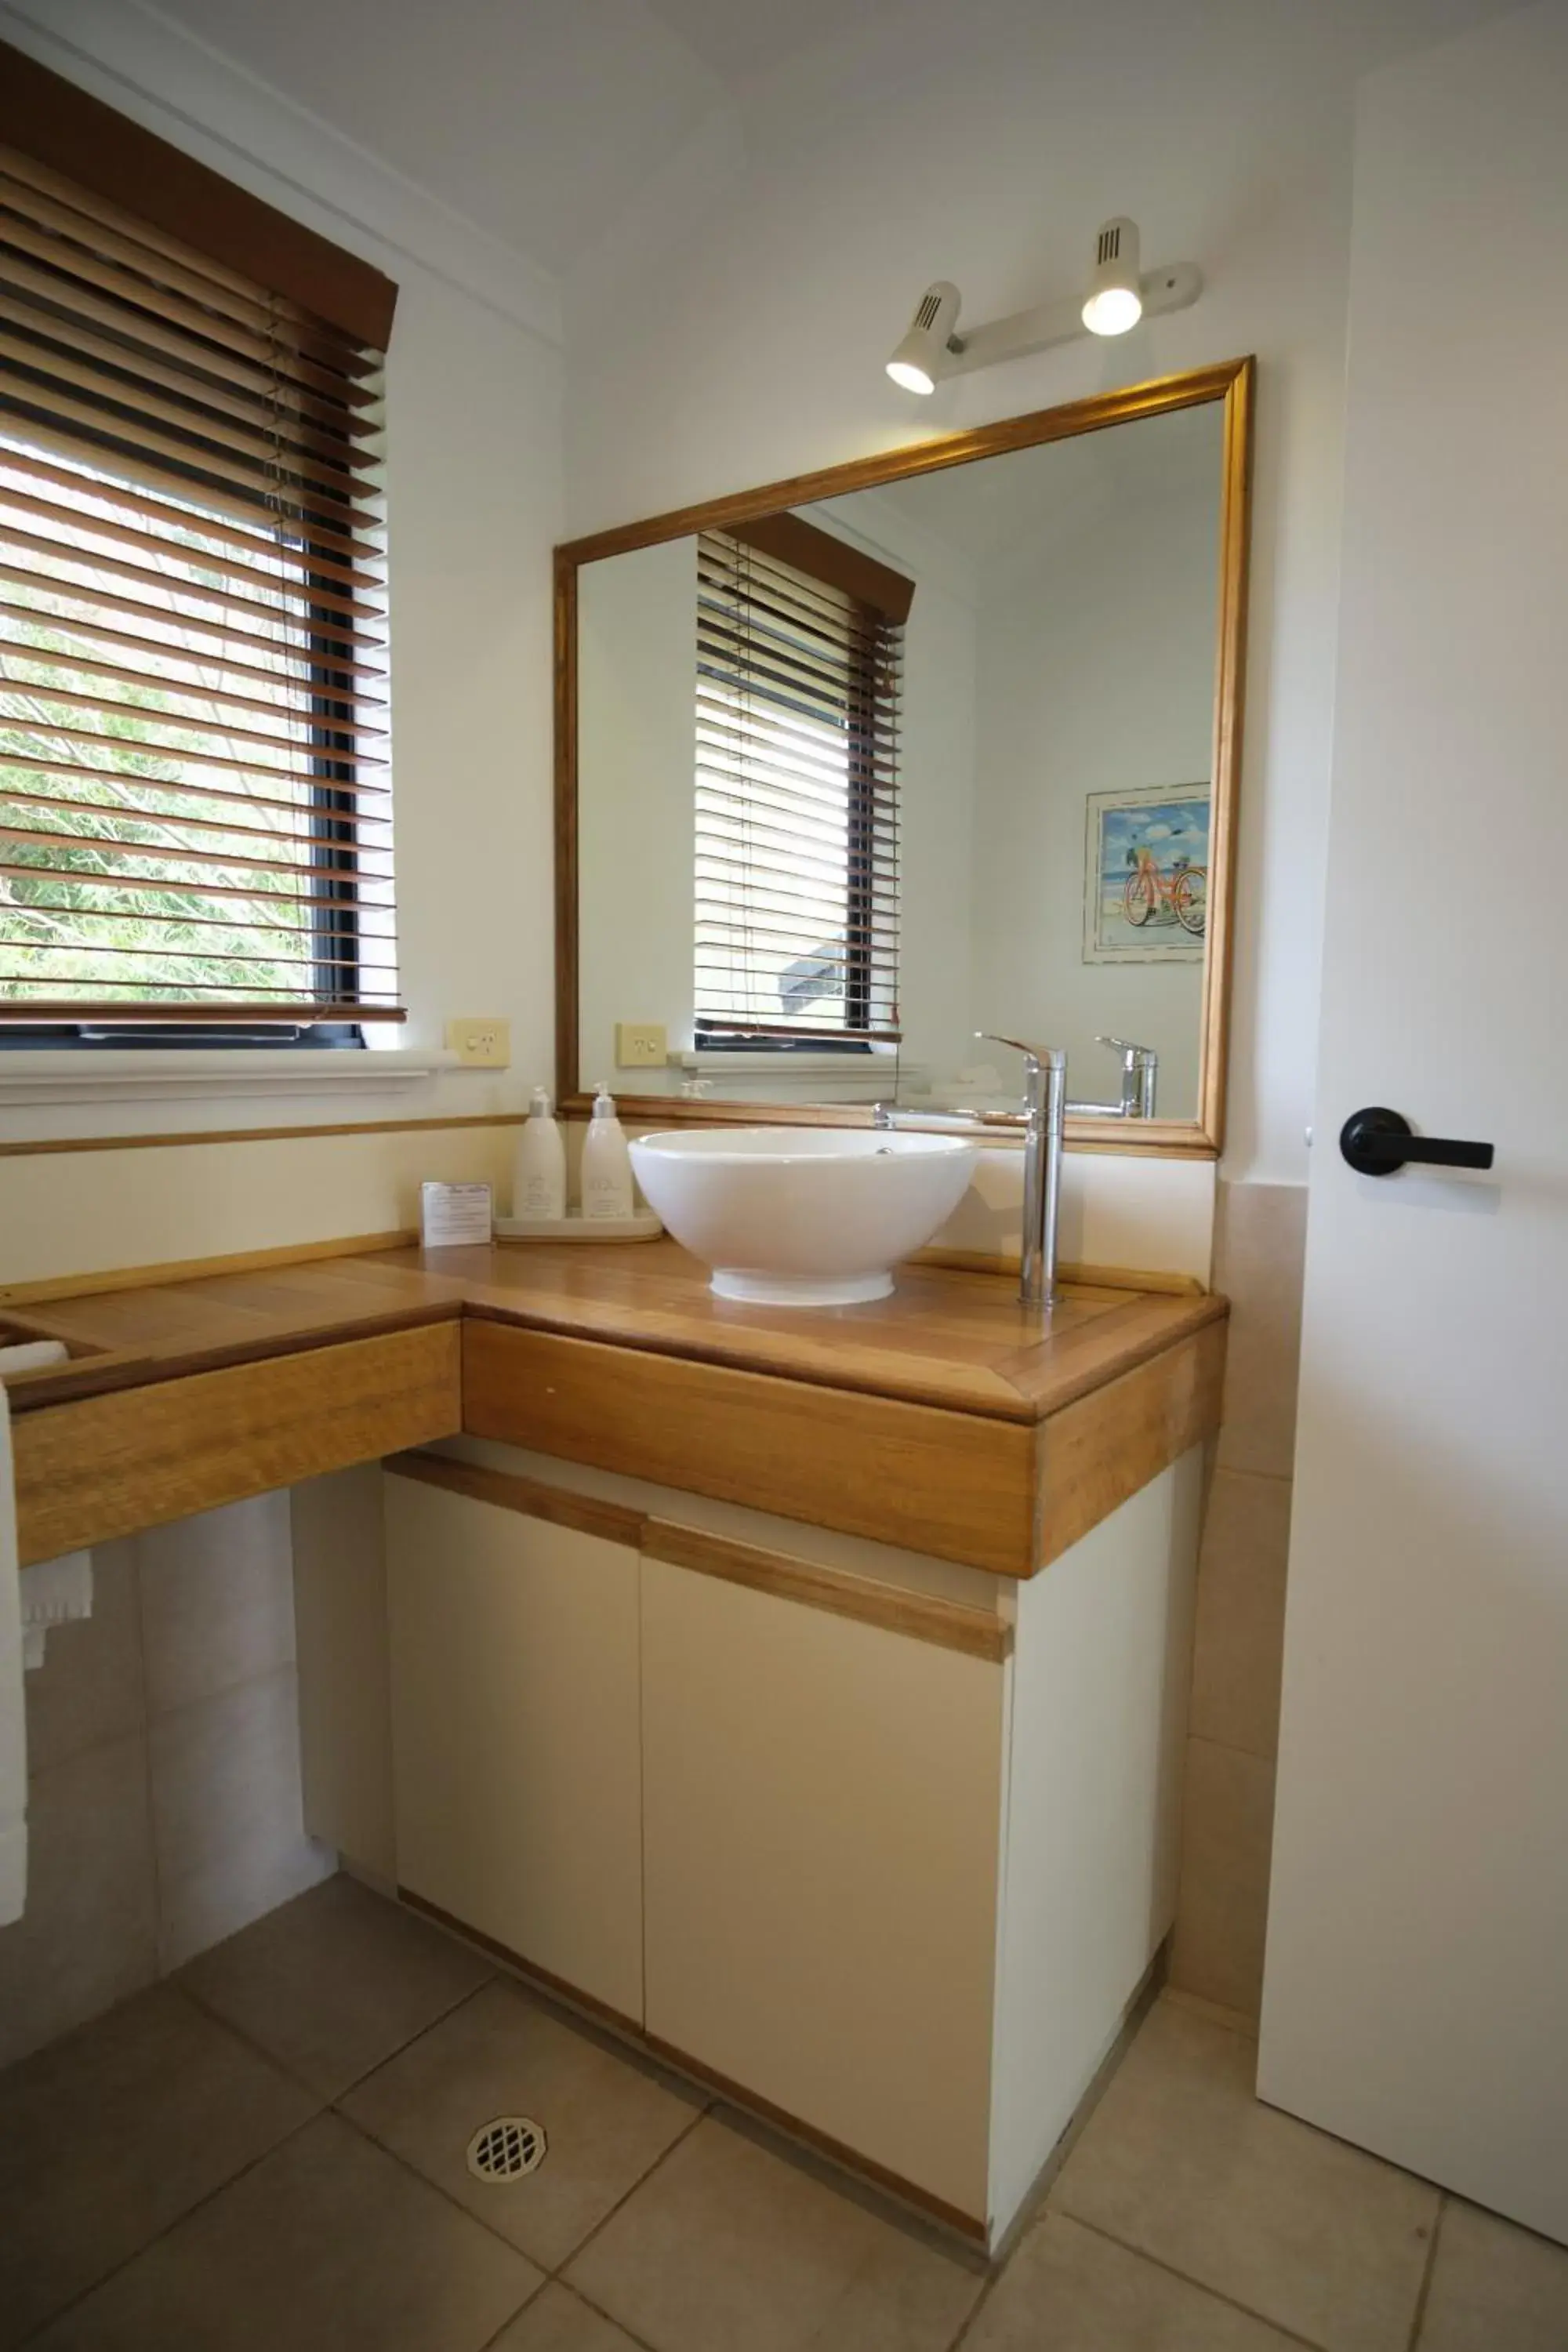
[742, 338]
[1096, 675]
[473, 487]
[637, 656]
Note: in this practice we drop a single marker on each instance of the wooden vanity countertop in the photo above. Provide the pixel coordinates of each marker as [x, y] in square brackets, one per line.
[948, 1337]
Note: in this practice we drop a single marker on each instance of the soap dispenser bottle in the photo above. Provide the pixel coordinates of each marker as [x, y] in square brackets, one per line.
[607, 1188]
[539, 1170]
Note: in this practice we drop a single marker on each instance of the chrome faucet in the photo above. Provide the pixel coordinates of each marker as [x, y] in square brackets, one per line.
[1045, 1102]
[1139, 1079]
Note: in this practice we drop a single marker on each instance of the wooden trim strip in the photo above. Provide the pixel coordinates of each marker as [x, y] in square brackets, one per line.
[1229, 714]
[1155, 398]
[1150, 1139]
[58, 124]
[791, 539]
[588, 1513]
[820, 2143]
[588, 2003]
[1070, 1270]
[44, 1144]
[195, 1269]
[964, 2225]
[923, 1616]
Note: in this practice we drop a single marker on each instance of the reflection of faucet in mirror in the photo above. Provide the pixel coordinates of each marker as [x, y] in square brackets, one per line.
[1045, 1102]
[1139, 1078]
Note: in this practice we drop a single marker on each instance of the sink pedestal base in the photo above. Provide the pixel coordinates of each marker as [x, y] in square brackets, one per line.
[799, 1289]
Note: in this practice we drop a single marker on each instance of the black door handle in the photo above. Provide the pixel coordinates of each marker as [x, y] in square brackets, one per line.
[1380, 1142]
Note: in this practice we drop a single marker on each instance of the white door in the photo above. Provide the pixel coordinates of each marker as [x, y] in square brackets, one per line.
[1415, 1998]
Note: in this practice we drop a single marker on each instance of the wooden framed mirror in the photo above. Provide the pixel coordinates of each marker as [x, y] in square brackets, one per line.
[854, 767]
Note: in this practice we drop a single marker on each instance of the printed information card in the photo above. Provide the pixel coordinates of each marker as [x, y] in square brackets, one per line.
[453, 1214]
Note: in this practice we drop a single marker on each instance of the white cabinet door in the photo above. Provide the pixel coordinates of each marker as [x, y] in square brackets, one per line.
[515, 1733]
[1413, 1994]
[822, 1820]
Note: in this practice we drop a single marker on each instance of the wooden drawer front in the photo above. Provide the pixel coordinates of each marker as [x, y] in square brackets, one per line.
[1110, 1444]
[956, 1485]
[109, 1465]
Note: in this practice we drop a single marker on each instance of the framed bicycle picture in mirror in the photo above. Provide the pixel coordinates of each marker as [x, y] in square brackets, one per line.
[1146, 872]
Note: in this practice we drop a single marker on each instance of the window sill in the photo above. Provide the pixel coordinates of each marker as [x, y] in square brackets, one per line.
[154, 1073]
[877, 1062]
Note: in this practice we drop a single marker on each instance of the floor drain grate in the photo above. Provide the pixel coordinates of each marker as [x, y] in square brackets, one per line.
[507, 2149]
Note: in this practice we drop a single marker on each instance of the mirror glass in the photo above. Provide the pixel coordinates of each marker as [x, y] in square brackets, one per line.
[863, 778]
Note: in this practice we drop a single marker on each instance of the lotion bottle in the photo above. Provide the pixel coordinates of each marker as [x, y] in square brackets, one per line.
[539, 1170]
[607, 1188]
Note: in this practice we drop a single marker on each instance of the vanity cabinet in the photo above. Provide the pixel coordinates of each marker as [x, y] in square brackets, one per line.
[515, 1706]
[822, 1806]
[888, 1856]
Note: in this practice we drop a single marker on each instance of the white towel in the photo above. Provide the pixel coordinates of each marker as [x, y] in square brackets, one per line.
[51, 1593]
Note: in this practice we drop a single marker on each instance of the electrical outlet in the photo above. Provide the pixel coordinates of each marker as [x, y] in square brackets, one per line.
[641, 1044]
[480, 1042]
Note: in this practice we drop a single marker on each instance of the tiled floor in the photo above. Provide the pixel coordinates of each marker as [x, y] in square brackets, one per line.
[268, 2151]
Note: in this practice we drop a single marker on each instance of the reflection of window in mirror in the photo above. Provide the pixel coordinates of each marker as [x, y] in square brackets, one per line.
[798, 659]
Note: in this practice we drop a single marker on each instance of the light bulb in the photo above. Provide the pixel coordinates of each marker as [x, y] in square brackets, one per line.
[912, 378]
[1115, 300]
[1112, 312]
[917, 363]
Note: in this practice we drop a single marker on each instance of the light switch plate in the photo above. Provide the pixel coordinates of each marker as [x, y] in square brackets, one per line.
[481, 1040]
[641, 1044]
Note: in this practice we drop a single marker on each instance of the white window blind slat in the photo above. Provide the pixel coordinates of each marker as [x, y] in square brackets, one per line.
[797, 864]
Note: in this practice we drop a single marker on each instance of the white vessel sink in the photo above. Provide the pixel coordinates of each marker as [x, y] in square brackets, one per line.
[802, 1216]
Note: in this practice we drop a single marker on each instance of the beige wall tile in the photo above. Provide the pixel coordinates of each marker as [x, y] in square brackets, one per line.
[88, 1937]
[109, 2136]
[1070, 2290]
[345, 1677]
[557, 2321]
[1494, 2287]
[88, 1689]
[1239, 1639]
[325, 2243]
[1181, 2161]
[226, 1814]
[1259, 1247]
[609, 2117]
[217, 1601]
[1225, 1837]
[728, 2247]
[334, 1982]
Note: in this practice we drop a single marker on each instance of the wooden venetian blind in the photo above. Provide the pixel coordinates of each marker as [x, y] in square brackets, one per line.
[799, 647]
[195, 785]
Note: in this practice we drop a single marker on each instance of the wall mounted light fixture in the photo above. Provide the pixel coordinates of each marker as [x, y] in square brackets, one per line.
[1119, 295]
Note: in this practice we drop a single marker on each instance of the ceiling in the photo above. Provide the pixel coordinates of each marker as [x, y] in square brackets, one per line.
[538, 119]
[1030, 499]
[544, 121]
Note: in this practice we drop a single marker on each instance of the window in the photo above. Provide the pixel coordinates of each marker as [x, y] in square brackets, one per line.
[195, 816]
[799, 641]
